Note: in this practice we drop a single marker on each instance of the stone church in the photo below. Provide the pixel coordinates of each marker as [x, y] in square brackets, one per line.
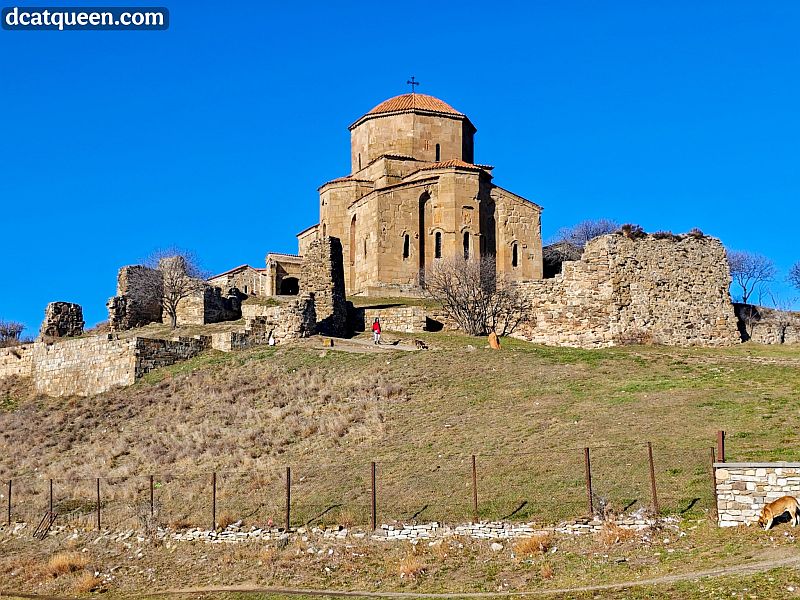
[415, 195]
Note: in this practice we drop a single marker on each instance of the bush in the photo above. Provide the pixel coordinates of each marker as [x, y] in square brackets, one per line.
[66, 562]
[10, 332]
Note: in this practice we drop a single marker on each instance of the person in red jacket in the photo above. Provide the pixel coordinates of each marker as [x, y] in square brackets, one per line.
[376, 331]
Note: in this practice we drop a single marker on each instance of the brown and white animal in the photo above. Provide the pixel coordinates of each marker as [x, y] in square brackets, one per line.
[775, 509]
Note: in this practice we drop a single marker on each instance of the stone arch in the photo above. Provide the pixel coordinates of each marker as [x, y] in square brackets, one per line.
[424, 208]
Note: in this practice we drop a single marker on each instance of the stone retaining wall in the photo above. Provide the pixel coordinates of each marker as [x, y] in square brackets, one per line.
[403, 319]
[16, 361]
[744, 488]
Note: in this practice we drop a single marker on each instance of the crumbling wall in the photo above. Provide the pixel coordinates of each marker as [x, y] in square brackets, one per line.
[62, 319]
[138, 299]
[671, 290]
[764, 325]
[209, 305]
[323, 276]
[157, 353]
[291, 319]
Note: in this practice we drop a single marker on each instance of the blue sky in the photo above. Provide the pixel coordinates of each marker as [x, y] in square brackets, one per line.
[215, 134]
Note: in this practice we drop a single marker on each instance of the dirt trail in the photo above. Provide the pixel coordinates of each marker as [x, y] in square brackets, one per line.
[741, 569]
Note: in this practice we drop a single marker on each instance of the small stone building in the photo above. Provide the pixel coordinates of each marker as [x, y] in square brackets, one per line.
[414, 195]
[248, 280]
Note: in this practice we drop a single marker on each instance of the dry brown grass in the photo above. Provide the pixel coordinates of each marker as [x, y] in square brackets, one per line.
[547, 571]
[411, 566]
[612, 534]
[66, 562]
[87, 582]
[226, 518]
[538, 543]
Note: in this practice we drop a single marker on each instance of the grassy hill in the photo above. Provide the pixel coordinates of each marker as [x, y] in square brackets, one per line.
[525, 411]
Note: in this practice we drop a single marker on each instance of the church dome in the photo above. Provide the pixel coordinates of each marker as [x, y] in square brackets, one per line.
[409, 102]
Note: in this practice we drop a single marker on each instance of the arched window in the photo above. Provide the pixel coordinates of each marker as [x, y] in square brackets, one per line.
[324, 230]
[359, 161]
[514, 255]
[466, 245]
[365, 247]
[245, 289]
[406, 246]
[438, 153]
[437, 245]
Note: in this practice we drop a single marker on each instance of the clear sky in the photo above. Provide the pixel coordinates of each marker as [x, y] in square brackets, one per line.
[215, 134]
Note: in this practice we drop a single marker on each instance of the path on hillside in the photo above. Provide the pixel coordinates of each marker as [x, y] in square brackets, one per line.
[740, 569]
[361, 345]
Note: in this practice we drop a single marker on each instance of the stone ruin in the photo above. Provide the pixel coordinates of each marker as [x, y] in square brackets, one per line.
[323, 276]
[62, 319]
[138, 299]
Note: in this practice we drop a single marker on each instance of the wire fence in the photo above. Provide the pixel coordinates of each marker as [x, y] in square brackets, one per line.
[547, 486]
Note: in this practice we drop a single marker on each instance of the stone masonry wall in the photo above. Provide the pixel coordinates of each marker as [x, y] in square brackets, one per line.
[323, 276]
[764, 325]
[16, 361]
[155, 353]
[62, 319]
[209, 305]
[403, 319]
[744, 488]
[650, 290]
[138, 299]
[292, 319]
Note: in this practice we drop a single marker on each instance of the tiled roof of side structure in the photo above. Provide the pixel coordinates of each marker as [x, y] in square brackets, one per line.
[456, 163]
[233, 270]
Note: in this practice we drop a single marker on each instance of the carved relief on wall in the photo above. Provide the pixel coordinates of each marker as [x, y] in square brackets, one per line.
[467, 215]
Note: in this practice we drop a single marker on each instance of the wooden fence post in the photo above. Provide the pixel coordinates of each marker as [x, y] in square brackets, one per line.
[653, 492]
[588, 468]
[98, 504]
[50, 506]
[720, 446]
[214, 501]
[152, 497]
[474, 491]
[374, 507]
[288, 498]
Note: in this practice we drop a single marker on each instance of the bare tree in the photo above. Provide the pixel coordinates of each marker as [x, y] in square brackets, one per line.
[10, 332]
[470, 293]
[578, 235]
[181, 277]
[794, 275]
[750, 272]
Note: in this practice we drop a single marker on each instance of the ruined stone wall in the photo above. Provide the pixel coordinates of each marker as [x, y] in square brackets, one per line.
[156, 353]
[138, 299]
[208, 305]
[62, 319]
[323, 276]
[650, 290]
[292, 319]
[764, 325]
[744, 488]
[16, 361]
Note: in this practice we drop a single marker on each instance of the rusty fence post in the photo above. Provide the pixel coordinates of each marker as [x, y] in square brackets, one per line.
[374, 503]
[9, 503]
[714, 485]
[288, 498]
[152, 497]
[50, 506]
[214, 501]
[98, 504]
[653, 491]
[720, 446]
[588, 468]
[474, 491]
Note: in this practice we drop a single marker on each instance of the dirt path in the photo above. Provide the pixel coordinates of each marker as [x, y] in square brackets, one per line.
[741, 569]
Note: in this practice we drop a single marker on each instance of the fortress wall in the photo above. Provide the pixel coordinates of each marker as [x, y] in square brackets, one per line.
[651, 290]
[138, 299]
[744, 488]
[155, 353]
[16, 360]
[323, 277]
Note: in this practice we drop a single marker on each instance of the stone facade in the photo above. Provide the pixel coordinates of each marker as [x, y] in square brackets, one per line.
[62, 319]
[246, 279]
[651, 290]
[209, 304]
[414, 195]
[744, 488]
[403, 319]
[292, 319]
[138, 299]
[323, 276]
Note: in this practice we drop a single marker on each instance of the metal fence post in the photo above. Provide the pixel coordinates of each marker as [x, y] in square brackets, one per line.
[9, 503]
[720, 446]
[714, 485]
[98, 504]
[214, 501]
[374, 511]
[653, 491]
[51, 496]
[288, 498]
[588, 468]
[152, 497]
[474, 491]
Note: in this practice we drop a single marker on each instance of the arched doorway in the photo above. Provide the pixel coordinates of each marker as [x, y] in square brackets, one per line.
[290, 286]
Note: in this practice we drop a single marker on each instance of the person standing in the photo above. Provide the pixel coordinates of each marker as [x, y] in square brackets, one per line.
[376, 331]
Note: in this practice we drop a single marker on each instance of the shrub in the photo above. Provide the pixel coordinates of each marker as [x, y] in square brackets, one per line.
[411, 566]
[225, 519]
[66, 562]
[633, 232]
[539, 543]
[87, 582]
[546, 571]
[612, 534]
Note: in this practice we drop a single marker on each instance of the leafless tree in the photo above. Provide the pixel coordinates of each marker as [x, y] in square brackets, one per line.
[470, 293]
[10, 332]
[751, 272]
[578, 235]
[181, 277]
[794, 275]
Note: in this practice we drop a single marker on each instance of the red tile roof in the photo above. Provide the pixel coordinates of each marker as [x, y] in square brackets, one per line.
[456, 163]
[406, 102]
